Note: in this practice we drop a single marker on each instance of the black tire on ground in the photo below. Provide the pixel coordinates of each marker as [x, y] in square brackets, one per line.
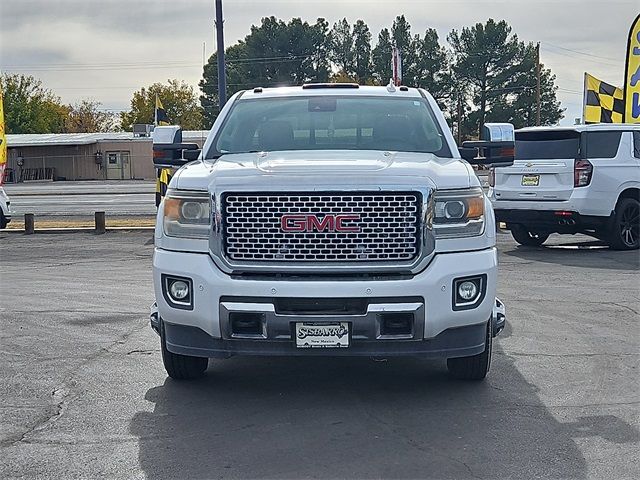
[625, 232]
[3, 220]
[475, 367]
[181, 367]
[524, 237]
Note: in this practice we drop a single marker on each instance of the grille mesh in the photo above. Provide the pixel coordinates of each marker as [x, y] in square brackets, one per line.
[388, 227]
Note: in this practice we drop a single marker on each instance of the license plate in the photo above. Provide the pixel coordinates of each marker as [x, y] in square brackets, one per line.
[530, 180]
[322, 335]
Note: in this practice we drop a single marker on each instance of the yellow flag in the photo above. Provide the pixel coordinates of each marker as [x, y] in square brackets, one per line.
[603, 103]
[632, 75]
[3, 142]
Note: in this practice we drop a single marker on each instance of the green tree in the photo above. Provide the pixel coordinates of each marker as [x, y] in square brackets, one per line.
[518, 103]
[486, 56]
[362, 67]
[29, 107]
[178, 99]
[341, 42]
[235, 59]
[430, 69]
[496, 74]
[381, 57]
[401, 38]
[87, 117]
[274, 53]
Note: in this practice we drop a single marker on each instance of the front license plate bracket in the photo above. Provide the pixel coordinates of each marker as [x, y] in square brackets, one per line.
[322, 334]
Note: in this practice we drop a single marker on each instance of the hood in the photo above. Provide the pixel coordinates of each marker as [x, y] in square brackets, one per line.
[322, 169]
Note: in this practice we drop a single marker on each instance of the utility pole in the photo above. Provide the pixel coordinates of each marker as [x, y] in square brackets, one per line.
[538, 84]
[459, 132]
[222, 81]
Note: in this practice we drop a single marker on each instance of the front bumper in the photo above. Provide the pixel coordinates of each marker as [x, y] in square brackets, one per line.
[437, 329]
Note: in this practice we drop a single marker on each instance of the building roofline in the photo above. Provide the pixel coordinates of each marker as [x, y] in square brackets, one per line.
[75, 139]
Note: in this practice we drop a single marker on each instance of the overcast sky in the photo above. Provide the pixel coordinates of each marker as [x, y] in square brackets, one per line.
[106, 49]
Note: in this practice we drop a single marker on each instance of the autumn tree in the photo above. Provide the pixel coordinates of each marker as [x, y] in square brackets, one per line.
[178, 98]
[29, 107]
[87, 116]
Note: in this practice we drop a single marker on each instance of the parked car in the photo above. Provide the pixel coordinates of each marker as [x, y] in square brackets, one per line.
[581, 179]
[327, 219]
[5, 209]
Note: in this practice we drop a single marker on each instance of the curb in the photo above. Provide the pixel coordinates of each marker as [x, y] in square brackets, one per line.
[50, 193]
[78, 230]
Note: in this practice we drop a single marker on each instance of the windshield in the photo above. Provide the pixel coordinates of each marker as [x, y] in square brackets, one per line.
[330, 123]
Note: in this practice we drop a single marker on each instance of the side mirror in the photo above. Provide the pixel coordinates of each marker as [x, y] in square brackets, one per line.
[495, 149]
[168, 149]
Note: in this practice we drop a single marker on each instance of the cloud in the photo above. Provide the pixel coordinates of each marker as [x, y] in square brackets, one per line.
[126, 44]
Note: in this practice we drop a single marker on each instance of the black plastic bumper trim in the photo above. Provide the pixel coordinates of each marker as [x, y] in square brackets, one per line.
[453, 342]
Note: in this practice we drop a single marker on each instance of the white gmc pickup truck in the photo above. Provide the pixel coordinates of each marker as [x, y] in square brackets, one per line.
[327, 219]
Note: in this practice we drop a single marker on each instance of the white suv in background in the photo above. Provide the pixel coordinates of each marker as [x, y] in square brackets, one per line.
[581, 179]
[5, 209]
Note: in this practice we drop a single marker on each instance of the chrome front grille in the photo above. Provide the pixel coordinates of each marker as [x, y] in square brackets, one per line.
[387, 227]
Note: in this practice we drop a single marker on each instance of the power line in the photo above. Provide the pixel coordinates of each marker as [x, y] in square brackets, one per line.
[595, 60]
[576, 51]
[60, 67]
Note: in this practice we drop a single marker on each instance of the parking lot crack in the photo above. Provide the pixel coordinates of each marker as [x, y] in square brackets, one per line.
[143, 352]
[62, 394]
[627, 307]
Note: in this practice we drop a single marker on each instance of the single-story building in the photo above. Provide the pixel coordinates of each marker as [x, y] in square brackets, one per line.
[84, 156]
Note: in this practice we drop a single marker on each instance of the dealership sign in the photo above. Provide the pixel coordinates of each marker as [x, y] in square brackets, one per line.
[632, 75]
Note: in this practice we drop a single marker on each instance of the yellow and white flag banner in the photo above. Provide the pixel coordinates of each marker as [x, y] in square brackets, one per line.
[3, 142]
[632, 75]
[603, 102]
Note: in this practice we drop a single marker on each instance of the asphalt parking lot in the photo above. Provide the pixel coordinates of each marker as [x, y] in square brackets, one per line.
[84, 394]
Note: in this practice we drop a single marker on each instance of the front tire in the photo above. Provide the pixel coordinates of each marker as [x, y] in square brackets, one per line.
[181, 367]
[524, 237]
[475, 367]
[626, 225]
[3, 220]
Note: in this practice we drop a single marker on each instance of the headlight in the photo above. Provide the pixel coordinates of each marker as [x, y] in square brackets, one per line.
[187, 214]
[459, 213]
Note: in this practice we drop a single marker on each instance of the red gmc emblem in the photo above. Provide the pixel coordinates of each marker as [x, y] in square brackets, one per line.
[311, 223]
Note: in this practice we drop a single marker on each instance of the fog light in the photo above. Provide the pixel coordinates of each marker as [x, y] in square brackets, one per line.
[179, 290]
[467, 290]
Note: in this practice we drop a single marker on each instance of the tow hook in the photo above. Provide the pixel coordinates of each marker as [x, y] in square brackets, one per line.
[499, 317]
[154, 318]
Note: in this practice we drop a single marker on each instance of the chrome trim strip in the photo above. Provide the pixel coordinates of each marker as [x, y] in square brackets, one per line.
[248, 307]
[394, 307]
[371, 308]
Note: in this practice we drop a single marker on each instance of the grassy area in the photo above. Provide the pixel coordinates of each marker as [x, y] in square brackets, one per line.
[83, 222]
